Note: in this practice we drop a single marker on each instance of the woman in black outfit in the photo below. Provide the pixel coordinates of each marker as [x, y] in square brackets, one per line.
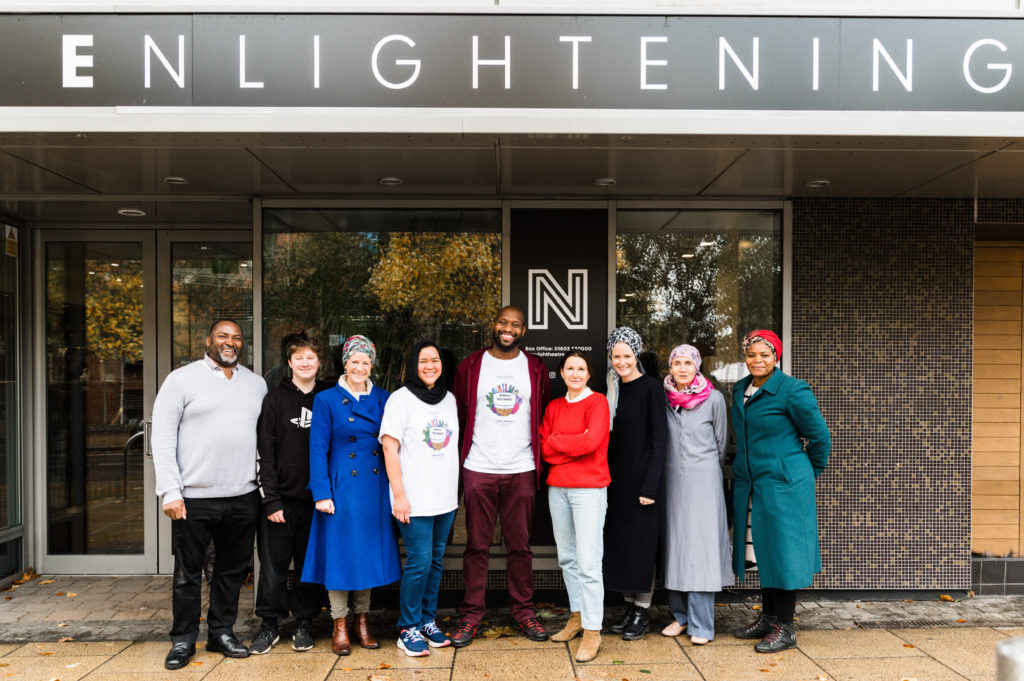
[636, 459]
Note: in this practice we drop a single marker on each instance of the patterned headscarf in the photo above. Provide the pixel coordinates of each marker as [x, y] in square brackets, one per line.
[693, 394]
[358, 344]
[622, 334]
[767, 337]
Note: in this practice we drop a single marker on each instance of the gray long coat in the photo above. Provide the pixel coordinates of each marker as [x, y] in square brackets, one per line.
[698, 555]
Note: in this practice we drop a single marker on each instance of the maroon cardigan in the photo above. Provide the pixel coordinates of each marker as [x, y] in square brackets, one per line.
[466, 380]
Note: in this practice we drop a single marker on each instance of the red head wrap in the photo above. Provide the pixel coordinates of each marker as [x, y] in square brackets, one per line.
[767, 336]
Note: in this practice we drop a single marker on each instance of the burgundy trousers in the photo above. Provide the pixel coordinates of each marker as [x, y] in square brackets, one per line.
[486, 496]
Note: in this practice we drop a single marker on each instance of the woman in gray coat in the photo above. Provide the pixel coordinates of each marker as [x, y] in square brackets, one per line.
[698, 555]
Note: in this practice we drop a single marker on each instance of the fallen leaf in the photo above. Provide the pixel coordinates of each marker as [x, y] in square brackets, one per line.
[819, 677]
[970, 594]
[947, 598]
[858, 605]
[378, 677]
[46, 652]
[66, 639]
[384, 665]
[645, 671]
[765, 670]
[63, 624]
[7, 598]
[196, 664]
[755, 607]
[59, 593]
[346, 669]
[46, 581]
[908, 645]
[795, 618]
[909, 678]
[961, 620]
[71, 595]
[908, 600]
[618, 662]
[776, 658]
[5, 664]
[73, 665]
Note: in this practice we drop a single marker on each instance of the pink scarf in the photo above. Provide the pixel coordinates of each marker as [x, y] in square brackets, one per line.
[690, 396]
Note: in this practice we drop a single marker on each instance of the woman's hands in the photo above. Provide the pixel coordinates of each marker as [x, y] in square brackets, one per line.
[644, 501]
[401, 509]
[325, 506]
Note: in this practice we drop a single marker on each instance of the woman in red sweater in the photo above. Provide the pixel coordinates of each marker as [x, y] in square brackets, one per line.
[574, 443]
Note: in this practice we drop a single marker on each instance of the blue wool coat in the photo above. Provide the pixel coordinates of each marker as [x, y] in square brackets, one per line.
[356, 547]
[774, 468]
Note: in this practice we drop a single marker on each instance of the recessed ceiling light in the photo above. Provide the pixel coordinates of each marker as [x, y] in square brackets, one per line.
[131, 212]
[818, 184]
[390, 181]
[604, 182]
[687, 255]
[175, 179]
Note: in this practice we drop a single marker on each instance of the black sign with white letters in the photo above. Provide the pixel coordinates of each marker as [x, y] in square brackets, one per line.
[490, 61]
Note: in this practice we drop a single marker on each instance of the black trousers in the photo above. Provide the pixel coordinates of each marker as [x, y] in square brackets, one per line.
[779, 602]
[230, 522]
[279, 545]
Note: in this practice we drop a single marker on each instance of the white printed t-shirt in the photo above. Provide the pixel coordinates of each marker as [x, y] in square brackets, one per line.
[428, 436]
[502, 442]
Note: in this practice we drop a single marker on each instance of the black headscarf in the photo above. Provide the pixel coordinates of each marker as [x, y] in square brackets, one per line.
[412, 375]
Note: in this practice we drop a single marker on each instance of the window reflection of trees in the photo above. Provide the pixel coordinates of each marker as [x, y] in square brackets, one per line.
[393, 287]
[706, 289]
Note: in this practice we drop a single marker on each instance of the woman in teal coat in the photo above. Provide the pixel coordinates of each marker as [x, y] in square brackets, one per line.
[772, 415]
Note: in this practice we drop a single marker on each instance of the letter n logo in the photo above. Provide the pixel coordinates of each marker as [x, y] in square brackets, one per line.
[546, 295]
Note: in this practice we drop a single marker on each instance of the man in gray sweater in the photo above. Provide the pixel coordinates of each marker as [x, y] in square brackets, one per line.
[204, 452]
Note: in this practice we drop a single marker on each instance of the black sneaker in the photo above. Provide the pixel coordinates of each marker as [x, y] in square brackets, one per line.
[465, 634]
[532, 629]
[302, 639]
[264, 640]
[781, 637]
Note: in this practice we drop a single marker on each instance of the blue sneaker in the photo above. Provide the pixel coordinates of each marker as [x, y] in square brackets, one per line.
[412, 642]
[435, 637]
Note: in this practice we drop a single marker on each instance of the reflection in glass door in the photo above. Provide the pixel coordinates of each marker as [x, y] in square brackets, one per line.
[98, 488]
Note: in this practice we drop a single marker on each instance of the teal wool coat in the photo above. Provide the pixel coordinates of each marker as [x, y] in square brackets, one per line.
[776, 470]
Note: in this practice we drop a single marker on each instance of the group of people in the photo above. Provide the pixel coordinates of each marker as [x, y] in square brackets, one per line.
[328, 476]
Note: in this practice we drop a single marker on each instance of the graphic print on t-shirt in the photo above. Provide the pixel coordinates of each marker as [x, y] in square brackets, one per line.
[304, 419]
[504, 399]
[437, 434]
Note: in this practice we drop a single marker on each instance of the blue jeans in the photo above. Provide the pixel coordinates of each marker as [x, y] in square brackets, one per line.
[577, 517]
[695, 609]
[425, 538]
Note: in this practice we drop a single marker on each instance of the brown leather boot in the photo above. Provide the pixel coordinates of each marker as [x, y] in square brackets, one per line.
[339, 637]
[571, 629]
[366, 639]
[591, 643]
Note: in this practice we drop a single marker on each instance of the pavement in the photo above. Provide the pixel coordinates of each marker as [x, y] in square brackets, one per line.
[115, 629]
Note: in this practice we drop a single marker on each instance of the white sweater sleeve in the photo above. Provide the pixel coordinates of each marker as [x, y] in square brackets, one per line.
[167, 410]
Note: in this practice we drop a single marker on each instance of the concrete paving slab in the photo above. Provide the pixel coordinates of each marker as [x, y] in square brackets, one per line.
[651, 647]
[274, 667]
[6, 648]
[389, 654]
[540, 665]
[70, 649]
[857, 643]
[343, 674]
[147, 657]
[889, 669]
[639, 672]
[969, 652]
[51, 667]
[730, 663]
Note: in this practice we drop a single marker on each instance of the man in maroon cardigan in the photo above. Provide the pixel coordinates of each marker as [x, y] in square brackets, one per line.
[501, 392]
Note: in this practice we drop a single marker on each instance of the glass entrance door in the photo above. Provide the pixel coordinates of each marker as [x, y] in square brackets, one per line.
[120, 311]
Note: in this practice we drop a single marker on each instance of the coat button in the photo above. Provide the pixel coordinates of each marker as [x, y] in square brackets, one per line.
[355, 472]
[376, 471]
[352, 438]
[376, 453]
[351, 455]
[345, 401]
[351, 419]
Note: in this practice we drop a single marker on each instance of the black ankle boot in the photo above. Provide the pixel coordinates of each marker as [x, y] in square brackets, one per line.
[759, 628]
[781, 637]
[638, 625]
[619, 625]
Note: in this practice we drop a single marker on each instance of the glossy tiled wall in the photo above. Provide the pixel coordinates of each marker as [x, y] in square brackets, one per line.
[882, 330]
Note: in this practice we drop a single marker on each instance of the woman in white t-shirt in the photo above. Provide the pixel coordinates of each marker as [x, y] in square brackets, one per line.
[420, 433]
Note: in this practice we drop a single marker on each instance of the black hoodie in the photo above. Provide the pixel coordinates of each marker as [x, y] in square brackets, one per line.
[282, 442]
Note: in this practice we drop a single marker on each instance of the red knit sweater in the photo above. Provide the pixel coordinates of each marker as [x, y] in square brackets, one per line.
[574, 442]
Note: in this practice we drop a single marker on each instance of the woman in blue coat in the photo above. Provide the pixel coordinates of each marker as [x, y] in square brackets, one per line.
[772, 415]
[352, 545]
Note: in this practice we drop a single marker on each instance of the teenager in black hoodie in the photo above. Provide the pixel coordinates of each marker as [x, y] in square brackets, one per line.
[282, 472]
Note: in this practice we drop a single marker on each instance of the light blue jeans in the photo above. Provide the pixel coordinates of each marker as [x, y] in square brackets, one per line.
[577, 517]
[695, 609]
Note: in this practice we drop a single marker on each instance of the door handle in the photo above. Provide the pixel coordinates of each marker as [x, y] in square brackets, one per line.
[147, 429]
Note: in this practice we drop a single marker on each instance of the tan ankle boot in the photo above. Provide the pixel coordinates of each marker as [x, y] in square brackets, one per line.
[339, 637]
[366, 639]
[571, 629]
[591, 643]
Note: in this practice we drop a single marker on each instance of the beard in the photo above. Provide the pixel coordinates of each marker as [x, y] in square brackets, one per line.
[218, 356]
[496, 340]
